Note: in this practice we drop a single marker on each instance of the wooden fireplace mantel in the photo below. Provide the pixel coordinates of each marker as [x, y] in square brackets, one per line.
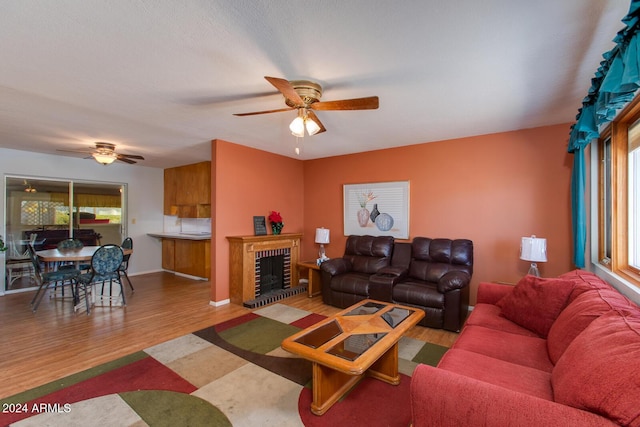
[242, 250]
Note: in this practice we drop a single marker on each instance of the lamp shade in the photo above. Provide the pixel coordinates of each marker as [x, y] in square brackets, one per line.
[533, 249]
[312, 127]
[297, 127]
[322, 235]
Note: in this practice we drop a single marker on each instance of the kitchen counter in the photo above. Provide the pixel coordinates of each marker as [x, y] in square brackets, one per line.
[184, 236]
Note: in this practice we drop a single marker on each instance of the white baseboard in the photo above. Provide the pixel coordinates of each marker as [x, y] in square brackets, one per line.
[220, 303]
[188, 276]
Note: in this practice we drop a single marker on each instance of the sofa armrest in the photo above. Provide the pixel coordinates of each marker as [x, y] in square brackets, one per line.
[491, 293]
[398, 273]
[453, 280]
[336, 266]
[381, 284]
[465, 401]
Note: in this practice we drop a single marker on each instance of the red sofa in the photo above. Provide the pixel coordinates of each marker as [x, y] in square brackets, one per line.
[562, 351]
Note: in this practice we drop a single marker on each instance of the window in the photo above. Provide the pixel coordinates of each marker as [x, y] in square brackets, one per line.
[604, 254]
[36, 212]
[634, 196]
[619, 195]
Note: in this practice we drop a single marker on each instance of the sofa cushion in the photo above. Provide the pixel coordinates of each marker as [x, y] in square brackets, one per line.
[498, 372]
[488, 315]
[514, 348]
[583, 310]
[433, 258]
[368, 254]
[415, 293]
[600, 370]
[535, 303]
[584, 281]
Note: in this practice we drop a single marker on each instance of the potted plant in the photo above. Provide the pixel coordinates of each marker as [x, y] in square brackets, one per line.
[276, 222]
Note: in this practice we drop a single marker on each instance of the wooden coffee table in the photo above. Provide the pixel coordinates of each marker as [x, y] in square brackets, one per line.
[362, 339]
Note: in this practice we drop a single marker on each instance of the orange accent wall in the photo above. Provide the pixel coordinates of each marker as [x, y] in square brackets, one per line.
[492, 189]
[245, 183]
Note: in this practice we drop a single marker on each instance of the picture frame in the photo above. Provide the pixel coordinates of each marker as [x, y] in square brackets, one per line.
[259, 226]
[377, 209]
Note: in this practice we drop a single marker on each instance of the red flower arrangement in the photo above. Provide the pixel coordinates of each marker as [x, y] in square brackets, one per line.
[275, 217]
[276, 222]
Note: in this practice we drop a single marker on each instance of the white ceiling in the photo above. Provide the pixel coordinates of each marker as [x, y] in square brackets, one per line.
[162, 78]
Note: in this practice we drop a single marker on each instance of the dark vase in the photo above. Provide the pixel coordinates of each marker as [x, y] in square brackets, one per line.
[276, 227]
[374, 213]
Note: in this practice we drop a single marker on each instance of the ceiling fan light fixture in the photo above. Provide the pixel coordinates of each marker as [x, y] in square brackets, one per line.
[312, 127]
[297, 127]
[105, 158]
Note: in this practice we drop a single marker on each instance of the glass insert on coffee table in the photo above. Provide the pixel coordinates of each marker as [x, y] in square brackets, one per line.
[362, 339]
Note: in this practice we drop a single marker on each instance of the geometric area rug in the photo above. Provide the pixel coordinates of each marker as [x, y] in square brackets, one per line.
[230, 374]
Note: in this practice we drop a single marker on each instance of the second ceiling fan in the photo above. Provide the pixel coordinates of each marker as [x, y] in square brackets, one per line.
[304, 96]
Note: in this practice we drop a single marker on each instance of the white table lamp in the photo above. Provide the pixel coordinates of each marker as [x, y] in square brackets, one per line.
[533, 249]
[322, 237]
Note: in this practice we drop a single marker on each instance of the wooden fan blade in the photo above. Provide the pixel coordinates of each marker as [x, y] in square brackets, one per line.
[369, 103]
[76, 151]
[264, 112]
[311, 115]
[131, 156]
[286, 89]
[124, 159]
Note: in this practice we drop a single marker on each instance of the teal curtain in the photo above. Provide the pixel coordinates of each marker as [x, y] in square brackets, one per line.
[578, 208]
[613, 86]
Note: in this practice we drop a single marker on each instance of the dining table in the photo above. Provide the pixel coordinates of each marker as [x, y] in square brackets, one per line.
[71, 255]
[53, 257]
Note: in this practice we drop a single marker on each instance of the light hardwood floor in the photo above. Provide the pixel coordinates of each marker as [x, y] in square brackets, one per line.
[54, 342]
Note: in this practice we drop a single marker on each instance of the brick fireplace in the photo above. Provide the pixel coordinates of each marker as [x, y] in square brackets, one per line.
[262, 268]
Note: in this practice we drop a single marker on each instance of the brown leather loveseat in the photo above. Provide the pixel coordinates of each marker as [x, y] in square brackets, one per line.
[431, 274]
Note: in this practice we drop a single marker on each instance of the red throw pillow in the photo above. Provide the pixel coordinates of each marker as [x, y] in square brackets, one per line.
[600, 370]
[535, 303]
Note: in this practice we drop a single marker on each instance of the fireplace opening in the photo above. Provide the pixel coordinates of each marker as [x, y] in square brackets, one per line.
[272, 277]
[271, 274]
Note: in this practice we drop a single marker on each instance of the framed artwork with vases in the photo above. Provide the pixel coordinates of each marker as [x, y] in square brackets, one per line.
[377, 209]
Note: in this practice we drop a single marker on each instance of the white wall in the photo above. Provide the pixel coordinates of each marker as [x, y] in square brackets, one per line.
[145, 196]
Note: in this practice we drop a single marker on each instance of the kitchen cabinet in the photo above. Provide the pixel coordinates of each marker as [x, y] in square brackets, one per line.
[187, 191]
[187, 194]
[185, 256]
[168, 254]
[193, 258]
[170, 190]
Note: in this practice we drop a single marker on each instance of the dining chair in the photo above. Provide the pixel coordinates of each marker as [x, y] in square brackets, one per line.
[126, 244]
[65, 277]
[105, 266]
[17, 263]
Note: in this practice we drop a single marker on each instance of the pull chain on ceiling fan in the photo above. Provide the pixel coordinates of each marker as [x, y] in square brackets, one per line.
[304, 96]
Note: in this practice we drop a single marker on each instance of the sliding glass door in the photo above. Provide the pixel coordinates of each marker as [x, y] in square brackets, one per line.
[45, 211]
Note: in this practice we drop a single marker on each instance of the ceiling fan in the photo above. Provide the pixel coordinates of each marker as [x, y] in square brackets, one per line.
[304, 96]
[105, 153]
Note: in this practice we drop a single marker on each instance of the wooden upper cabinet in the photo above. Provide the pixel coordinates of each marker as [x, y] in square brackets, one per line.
[194, 184]
[170, 186]
[188, 190]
